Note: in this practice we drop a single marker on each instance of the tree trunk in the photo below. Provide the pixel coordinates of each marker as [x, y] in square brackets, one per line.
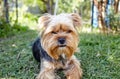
[49, 6]
[16, 10]
[6, 10]
[92, 12]
[52, 6]
[1, 10]
[116, 4]
[101, 6]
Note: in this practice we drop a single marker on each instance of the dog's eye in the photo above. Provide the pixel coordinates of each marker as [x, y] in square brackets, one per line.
[54, 32]
[69, 31]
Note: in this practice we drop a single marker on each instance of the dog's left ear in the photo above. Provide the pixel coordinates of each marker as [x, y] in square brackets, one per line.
[76, 19]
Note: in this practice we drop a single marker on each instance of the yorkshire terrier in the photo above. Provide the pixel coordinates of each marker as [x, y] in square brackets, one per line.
[56, 46]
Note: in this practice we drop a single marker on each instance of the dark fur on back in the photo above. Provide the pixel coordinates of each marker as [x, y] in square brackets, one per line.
[39, 52]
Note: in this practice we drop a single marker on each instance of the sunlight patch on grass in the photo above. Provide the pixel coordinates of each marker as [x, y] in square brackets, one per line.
[88, 30]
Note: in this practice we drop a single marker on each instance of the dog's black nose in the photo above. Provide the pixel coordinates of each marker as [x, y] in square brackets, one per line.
[61, 40]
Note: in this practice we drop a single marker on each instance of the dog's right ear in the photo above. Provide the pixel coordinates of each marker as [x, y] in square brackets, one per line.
[44, 20]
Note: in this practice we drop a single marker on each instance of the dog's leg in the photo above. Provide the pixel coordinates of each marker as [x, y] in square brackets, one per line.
[47, 70]
[74, 71]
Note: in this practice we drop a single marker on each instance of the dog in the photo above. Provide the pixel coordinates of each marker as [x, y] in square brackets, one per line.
[56, 45]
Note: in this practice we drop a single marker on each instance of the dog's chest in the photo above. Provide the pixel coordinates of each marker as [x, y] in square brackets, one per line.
[61, 63]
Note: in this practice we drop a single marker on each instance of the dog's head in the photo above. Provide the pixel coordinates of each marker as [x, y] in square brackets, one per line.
[59, 36]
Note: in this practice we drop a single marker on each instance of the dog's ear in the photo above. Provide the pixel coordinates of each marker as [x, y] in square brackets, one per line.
[76, 19]
[44, 20]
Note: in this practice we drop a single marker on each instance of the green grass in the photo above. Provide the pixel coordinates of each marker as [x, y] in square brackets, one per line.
[99, 55]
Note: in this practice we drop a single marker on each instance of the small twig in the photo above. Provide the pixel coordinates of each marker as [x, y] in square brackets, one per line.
[18, 56]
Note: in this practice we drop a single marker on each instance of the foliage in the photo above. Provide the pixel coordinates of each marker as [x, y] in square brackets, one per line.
[114, 21]
[24, 18]
[99, 55]
[85, 9]
[74, 6]
[35, 3]
[9, 30]
[28, 19]
[67, 6]
[64, 6]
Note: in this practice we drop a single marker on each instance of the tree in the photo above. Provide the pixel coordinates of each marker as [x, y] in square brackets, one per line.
[6, 10]
[101, 6]
[116, 4]
[49, 5]
[16, 3]
[1, 9]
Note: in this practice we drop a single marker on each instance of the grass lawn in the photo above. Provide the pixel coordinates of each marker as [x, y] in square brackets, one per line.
[99, 55]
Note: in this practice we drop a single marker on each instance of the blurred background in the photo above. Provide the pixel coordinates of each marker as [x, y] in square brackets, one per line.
[102, 14]
[99, 45]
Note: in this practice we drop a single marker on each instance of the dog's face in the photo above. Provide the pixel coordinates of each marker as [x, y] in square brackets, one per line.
[59, 36]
